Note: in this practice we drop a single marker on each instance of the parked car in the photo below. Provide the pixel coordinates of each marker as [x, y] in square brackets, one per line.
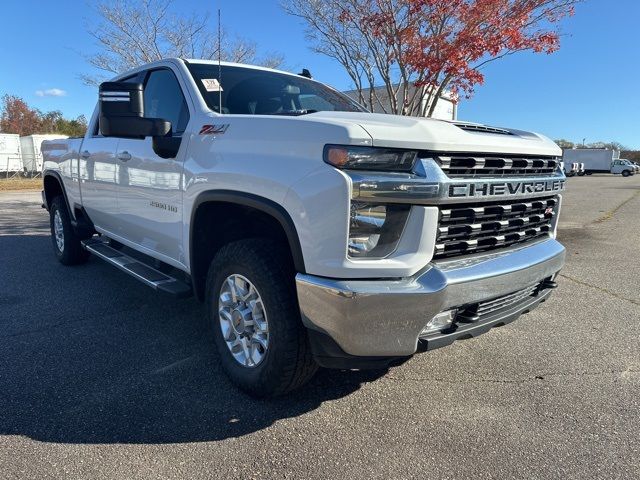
[316, 232]
[634, 165]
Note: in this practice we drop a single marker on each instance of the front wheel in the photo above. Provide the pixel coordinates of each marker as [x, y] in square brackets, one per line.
[625, 173]
[66, 244]
[253, 310]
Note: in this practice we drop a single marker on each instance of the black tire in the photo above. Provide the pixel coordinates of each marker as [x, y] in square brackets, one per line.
[71, 252]
[625, 173]
[581, 174]
[288, 362]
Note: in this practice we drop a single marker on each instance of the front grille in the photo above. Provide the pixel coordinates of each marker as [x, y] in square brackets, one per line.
[465, 229]
[472, 166]
[479, 311]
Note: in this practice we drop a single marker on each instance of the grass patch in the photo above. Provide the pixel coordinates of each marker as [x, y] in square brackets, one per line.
[20, 183]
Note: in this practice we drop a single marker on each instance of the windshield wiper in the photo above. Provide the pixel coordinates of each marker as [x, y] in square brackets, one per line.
[293, 113]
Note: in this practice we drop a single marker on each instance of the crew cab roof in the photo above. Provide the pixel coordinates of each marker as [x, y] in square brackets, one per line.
[176, 60]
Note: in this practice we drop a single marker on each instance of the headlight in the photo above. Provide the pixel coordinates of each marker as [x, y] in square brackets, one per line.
[374, 230]
[370, 158]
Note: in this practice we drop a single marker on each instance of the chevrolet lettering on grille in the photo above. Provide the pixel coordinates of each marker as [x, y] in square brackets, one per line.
[482, 189]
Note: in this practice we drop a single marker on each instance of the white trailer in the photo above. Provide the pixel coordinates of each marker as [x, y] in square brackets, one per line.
[10, 155]
[32, 153]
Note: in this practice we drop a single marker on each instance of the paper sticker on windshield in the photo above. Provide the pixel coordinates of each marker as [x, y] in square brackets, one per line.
[211, 85]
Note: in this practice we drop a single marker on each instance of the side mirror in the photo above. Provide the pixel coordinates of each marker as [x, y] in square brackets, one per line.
[122, 113]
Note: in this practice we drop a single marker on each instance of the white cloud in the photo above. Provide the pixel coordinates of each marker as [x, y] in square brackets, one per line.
[51, 92]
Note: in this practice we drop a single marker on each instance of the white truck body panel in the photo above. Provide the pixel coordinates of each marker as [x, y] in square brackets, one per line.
[437, 135]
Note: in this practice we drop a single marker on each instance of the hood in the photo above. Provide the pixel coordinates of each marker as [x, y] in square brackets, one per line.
[440, 135]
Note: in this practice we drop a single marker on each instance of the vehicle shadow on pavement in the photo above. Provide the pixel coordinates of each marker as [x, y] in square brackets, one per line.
[89, 355]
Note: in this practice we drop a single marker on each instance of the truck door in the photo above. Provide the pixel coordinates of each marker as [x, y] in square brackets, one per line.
[150, 188]
[98, 175]
[617, 167]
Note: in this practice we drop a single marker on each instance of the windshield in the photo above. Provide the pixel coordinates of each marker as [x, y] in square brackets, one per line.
[250, 91]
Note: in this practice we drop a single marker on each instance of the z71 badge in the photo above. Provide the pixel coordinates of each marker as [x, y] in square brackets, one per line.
[214, 129]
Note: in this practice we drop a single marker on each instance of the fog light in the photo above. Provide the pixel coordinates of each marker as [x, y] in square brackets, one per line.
[374, 229]
[439, 322]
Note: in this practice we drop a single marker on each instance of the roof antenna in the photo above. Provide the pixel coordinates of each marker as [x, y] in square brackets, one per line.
[305, 73]
[219, 64]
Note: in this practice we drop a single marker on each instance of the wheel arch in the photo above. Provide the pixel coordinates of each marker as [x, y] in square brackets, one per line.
[221, 199]
[53, 186]
[80, 221]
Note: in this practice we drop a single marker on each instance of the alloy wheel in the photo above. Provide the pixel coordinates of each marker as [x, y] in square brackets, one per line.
[243, 320]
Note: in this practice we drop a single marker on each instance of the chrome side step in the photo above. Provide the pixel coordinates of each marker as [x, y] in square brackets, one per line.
[137, 269]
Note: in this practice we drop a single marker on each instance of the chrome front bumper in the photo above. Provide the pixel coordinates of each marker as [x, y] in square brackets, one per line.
[384, 318]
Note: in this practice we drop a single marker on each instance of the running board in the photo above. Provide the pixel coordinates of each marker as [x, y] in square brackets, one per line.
[137, 269]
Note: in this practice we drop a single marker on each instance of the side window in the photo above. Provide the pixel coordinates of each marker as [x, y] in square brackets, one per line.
[163, 98]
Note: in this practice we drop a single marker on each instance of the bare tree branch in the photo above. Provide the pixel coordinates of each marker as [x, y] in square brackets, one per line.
[131, 33]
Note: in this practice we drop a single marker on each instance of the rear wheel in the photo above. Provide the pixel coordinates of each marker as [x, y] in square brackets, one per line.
[254, 313]
[66, 244]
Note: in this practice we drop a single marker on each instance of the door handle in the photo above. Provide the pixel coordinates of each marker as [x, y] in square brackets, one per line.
[85, 154]
[124, 156]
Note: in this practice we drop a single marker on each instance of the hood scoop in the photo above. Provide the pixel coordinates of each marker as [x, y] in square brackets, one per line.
[477, 128]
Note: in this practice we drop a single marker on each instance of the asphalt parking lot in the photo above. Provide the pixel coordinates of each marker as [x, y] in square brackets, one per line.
[101, 377]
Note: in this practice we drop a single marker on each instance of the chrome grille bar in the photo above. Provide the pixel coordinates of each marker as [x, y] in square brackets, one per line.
[502, 302]
[489, 166]
[468, 229]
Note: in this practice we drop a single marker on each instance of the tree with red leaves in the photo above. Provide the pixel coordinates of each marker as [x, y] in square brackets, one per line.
[414, 50]
[17, 117]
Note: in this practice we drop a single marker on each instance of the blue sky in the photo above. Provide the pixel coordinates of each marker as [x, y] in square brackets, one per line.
[589, 89]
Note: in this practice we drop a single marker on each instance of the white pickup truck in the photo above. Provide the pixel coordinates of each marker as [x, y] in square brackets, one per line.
[316, 232]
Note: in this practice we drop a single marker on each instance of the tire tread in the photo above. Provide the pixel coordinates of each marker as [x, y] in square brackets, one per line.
[73, 253]
[270, 263]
